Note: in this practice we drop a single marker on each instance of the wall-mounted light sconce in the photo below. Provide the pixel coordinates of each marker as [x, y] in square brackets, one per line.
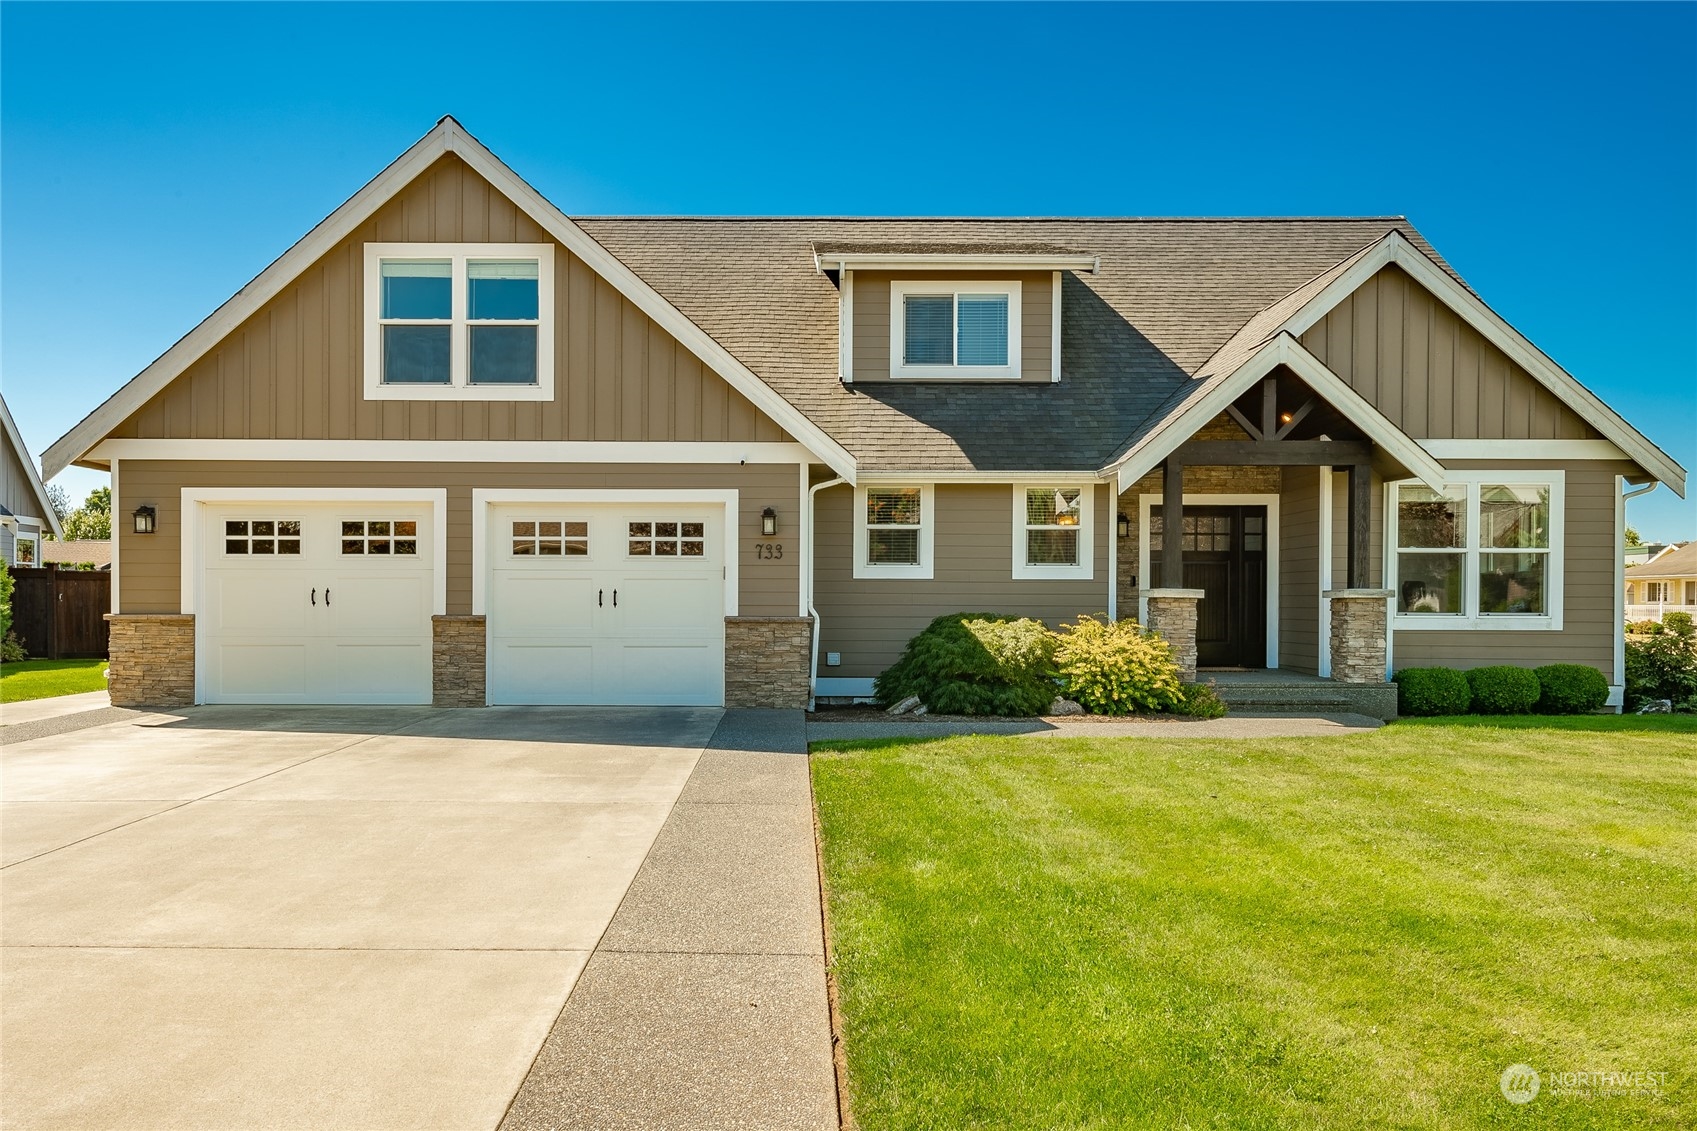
[1124, 525]
[768, 522]
[146, 519]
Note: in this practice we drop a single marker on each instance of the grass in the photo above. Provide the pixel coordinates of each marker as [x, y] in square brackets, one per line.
[44, 679]
[1296, 933]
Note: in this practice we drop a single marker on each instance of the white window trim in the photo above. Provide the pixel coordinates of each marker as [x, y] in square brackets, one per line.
[459, 388]
[35, 543]
[1146, 554]
[1085, 569]
[927, 536]
[901, 288]
[1472, 620]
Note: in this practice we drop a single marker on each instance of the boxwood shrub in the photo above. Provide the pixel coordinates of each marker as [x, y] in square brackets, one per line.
[975, 664]
[1502, 689]
[1570, 689]
[1432, 691]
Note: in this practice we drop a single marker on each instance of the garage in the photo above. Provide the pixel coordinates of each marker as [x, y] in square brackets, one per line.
[606, 603]
[315, 602]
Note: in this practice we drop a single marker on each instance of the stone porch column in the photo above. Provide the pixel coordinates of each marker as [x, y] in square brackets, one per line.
[1358, 634]
[1172, 613]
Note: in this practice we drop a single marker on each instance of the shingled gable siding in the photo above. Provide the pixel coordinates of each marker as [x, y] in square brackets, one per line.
[150, 580]
[1433, 375]
[293, 370]
[871, 621]
[872, 321]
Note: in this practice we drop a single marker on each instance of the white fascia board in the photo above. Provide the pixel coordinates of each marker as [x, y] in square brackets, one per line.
[446, 137]
[454, 451]
[892, 261]
[1395, 248]
[909, 478]
[36, 486]
[1282, 350]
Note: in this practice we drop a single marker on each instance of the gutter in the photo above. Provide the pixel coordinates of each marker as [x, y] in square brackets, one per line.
[812, 611]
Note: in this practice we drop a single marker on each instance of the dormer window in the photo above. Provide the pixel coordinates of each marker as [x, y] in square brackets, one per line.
[954, 329]
[471, 321]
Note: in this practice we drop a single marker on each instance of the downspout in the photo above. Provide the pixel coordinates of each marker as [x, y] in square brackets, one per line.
[812, 548]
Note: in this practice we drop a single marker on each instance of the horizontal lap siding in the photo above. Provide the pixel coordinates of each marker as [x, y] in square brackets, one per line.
[1299, 573]
[871, 621]
[294, 369]
[1431, 373]
[150, 576]
[873, 322]
[1590, 620]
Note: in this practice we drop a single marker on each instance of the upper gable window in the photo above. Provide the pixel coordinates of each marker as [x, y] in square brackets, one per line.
[472, 321]
[954, 329]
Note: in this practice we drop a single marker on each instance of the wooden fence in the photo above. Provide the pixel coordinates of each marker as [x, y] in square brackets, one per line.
[60, 614]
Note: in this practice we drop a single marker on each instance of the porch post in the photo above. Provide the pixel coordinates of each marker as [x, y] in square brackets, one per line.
[1360, 524]
[1358, 634]
[1172, 613]
[1172, 524]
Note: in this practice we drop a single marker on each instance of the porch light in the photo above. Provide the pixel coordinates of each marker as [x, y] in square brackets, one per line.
[145, 519]
[768, 522]
[1124, 525]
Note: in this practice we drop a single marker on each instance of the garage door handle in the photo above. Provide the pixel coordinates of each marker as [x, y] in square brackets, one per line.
[615, 598]
[326, 596]
[600, 597]
[315, 598]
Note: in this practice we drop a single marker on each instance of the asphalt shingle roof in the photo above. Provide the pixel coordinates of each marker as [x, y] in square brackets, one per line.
[1169, 295]
[1675, 563]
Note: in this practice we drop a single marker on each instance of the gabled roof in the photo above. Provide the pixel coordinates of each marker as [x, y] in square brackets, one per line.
[1670, 563]
[15, 440]
[448, 136]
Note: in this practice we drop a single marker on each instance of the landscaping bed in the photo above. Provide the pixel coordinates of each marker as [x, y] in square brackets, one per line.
[1346, 932]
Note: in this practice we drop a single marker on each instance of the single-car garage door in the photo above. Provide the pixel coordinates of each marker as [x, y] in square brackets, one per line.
[317, 603]
[607, 604]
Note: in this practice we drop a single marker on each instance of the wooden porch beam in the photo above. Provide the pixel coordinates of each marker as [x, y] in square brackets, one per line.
[1172, 524]
[1360, 524]
[1269, 408]
[1230, 453]
[1243, 422]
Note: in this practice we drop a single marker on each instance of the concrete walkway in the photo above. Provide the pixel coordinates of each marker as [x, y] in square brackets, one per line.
[372, 917]
[1089, 726]
[33, 710]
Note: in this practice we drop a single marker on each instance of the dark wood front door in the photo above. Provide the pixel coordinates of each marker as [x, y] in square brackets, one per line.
[1225, 556]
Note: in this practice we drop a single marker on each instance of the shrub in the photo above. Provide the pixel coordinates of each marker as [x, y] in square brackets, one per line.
[1663, 666]
[6, 584]
[1200, 701]
[975, 664]
[1503, 689]
[1643, 627]
[1115, 667]
[1570, 689]
[1432, 691]
[12, 649]
[1679, 623]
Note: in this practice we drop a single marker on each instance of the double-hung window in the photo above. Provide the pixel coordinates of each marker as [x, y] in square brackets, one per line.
[1485, 552]
[471, 321]
[1053, 531]
[894, 531]
[954, 329]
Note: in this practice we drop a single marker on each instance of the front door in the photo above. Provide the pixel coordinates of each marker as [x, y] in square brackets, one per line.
[1225, 556]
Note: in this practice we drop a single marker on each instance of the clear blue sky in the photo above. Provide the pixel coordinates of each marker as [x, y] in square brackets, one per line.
[157, 157]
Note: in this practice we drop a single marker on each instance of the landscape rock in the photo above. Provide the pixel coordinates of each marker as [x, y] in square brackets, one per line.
[905, 706]
[1061, 708]
[1656, 707]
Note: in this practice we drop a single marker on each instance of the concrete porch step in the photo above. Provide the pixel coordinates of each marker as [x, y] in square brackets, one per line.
[1269, 693]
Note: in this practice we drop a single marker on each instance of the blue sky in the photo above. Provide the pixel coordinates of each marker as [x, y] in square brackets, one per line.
[156, 157]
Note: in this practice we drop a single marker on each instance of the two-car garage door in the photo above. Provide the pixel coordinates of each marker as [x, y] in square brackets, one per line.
[331, 602]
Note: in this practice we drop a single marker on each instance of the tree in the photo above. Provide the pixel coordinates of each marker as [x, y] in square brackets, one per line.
[92, 520]
[59, 500]
[1632, 538]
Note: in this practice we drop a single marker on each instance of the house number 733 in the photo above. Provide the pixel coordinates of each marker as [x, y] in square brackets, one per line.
[768, 551]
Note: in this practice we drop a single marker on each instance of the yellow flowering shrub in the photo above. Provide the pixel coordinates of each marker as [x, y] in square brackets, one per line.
[1116, 668]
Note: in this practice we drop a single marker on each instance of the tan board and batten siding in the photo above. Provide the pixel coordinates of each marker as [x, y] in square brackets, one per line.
[294, 369]
[1432, 374]
[152, 564]
[872, 321]
[870, 620]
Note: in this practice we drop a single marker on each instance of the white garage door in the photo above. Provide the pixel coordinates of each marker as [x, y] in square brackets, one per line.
[317, 603]
[607, 604]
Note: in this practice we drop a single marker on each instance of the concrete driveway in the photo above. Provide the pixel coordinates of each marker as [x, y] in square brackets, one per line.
[316, 918]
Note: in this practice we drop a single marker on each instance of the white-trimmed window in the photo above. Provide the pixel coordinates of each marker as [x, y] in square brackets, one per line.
[894, 531]
[954, 329]
[1053, 530]
[471, 321]
[1656, 593]
[1484, 553]
[25, 550]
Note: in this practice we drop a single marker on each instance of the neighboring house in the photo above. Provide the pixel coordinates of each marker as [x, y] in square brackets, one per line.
[26, 514]
[1648, 551]
[455, 446]
[96, 553]
[1666, 583]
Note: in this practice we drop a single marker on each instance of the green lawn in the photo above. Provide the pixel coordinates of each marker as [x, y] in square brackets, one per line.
[1297, 933]
[43, 679]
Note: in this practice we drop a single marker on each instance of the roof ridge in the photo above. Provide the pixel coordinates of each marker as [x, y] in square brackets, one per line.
[675, 217]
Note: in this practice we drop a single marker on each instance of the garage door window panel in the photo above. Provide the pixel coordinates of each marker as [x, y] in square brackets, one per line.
[666, 539]
[550, 538]
[262, 537]
[379, 537]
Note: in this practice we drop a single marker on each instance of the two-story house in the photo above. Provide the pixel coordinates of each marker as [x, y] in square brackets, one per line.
[455, 446]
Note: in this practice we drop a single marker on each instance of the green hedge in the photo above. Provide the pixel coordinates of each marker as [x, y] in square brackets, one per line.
[1422, 692]
[975, 664]
[1503, 689]
[1570, 689]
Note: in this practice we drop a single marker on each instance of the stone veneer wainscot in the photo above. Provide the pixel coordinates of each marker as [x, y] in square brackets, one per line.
[766, 661]
[152, 659]
[458, 671]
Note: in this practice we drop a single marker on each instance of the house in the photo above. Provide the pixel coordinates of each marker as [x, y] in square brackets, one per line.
[1647, 551]
[84, 553]
[457, 447]
[1666, 583]
[26, 513]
